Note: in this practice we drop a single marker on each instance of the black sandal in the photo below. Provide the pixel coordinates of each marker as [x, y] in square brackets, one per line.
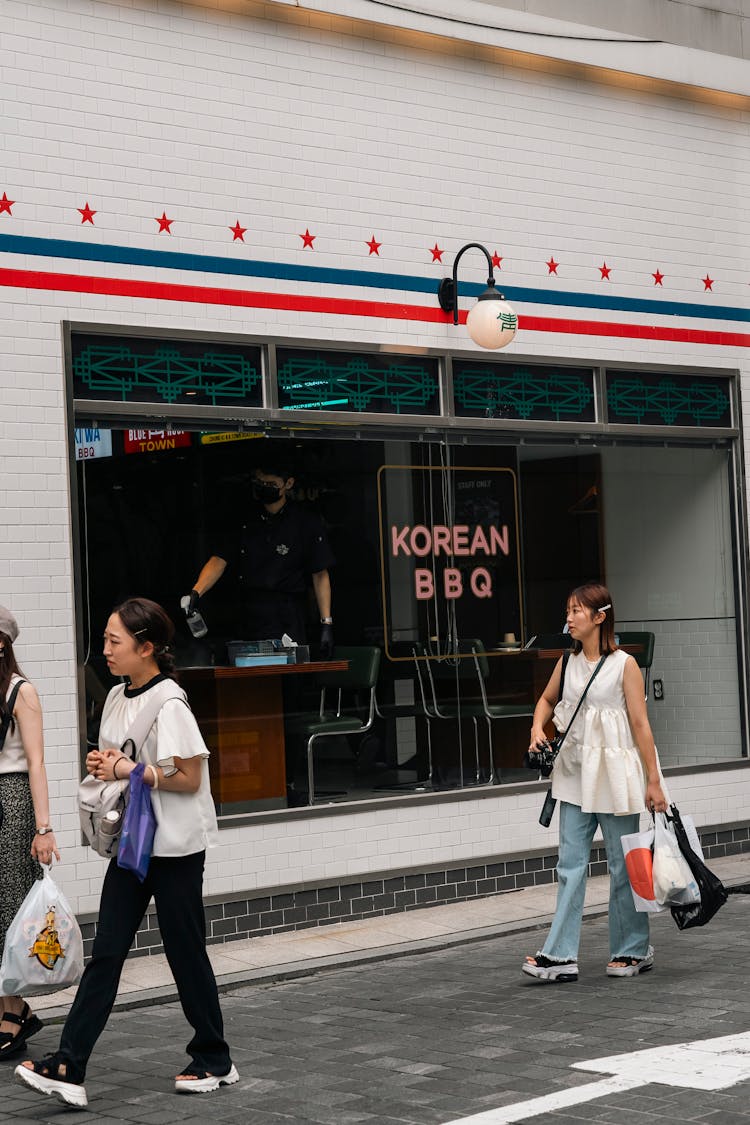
[28, 1025]
[44, 1078]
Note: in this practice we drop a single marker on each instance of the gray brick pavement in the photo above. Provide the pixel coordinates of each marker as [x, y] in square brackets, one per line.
[432, 1037]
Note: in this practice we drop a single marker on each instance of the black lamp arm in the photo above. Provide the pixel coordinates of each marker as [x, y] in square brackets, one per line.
[448, 288]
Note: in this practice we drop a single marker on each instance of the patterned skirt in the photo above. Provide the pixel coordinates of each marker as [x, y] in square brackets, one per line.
[18, 870]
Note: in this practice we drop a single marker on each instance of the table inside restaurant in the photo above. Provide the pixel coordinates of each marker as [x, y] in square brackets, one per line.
[240, 712]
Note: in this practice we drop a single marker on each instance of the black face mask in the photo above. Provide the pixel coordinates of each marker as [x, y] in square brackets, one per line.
[266, 492]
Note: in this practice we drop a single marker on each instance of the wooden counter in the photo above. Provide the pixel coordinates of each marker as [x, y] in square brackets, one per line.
[240, 713]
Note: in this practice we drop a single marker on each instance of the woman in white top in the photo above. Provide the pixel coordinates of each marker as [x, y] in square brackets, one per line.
[136, 647]
[606, 774]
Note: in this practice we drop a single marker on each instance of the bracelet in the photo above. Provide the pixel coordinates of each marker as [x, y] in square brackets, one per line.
[114, 768]
[155, 775]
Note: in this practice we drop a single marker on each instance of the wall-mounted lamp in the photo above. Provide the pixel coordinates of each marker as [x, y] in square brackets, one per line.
[492, 323]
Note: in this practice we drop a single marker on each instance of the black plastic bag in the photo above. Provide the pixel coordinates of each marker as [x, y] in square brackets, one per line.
[713, 892]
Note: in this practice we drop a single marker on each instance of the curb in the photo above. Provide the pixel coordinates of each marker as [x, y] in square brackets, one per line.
[296, 970]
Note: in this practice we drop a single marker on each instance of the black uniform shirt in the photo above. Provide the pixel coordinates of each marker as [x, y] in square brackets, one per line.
[272, 558]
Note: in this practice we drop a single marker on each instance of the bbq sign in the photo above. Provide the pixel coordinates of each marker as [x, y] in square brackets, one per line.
[449, 548]
[460, 541]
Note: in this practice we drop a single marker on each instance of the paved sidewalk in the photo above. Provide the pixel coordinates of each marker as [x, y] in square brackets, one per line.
[147, 980]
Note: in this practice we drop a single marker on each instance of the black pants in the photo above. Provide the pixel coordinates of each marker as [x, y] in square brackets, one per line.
[176, 885]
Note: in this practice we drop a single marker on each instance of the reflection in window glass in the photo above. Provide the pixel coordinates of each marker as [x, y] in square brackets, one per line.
[135, 369]
[526, 391]
[447, 560]
[378, 384]
[667, 399]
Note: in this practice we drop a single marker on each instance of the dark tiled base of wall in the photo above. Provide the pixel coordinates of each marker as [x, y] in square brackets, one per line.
[296, 910]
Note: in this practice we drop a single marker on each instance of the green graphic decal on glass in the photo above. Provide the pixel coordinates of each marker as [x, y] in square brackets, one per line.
[649, 399]
[392, 384]
[171, 371]
[532, 392]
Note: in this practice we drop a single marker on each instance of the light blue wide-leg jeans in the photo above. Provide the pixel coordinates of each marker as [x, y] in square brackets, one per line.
[628, 929]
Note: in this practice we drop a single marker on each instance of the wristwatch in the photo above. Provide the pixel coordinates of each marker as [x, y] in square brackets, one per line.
[44, 830]
[326, 621]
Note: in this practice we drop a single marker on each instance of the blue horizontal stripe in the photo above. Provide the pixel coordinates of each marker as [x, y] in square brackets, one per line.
[282, 271]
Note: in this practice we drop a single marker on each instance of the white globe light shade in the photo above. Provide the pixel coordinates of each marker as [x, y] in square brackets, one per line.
[492, 322]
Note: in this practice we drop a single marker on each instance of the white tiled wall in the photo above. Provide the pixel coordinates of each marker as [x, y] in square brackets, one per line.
[213, 116]
[698, 721]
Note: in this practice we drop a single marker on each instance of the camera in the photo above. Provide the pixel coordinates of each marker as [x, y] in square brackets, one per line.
[543, 758]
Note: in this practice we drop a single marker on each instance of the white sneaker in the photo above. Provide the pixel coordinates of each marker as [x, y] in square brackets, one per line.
[68, 1092]
[204, 1083]
[544, 969]
[632, 966]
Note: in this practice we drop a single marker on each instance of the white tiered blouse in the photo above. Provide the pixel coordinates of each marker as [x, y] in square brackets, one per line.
[599, 767]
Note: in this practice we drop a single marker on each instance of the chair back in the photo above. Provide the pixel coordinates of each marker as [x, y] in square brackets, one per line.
[462, 664]
[647, 641]
[362, 673]
[645, 657]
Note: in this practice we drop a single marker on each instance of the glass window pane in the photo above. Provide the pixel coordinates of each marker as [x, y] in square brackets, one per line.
[666, 399]
[528, 391]
[369, 384]
[134, 369]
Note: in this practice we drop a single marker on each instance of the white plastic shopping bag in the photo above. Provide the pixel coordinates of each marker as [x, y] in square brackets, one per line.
[674, 882]
[43, 946]
[639, 862]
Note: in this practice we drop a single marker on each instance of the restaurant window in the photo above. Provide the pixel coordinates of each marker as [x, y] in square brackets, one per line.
[449, 559]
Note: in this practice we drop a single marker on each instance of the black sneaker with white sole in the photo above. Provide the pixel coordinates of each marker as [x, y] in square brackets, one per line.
[201, 1082]
[44, 1078]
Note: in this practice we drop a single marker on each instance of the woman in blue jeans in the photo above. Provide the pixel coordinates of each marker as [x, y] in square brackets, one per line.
[606, 774]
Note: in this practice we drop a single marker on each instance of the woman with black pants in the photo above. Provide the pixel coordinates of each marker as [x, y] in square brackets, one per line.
[136, 647]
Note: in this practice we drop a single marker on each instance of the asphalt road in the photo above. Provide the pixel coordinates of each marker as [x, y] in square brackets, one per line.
[432, 1038]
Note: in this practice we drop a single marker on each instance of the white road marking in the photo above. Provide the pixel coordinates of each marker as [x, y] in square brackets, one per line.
[521, 1111]
[705, 1064]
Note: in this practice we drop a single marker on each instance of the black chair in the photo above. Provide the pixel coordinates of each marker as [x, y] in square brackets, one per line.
[351, 715]
[644, 658]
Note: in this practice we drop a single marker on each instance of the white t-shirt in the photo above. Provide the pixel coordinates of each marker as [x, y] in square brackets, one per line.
[185, 822]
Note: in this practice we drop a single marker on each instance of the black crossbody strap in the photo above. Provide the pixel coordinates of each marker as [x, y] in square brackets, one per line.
[5, 725]
[580, 701]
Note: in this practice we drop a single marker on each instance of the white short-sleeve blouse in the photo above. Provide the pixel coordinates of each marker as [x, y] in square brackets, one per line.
[185, 822]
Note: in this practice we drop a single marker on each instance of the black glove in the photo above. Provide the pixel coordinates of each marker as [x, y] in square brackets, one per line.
[193, 603]
[326, 641]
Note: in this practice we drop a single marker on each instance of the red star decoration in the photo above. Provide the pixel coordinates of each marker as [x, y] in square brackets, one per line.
[437, 253]
[307, 240]
[164, 223]
[708, 283]
[552, 266]
[238, 232]
[605, 271]
[5, 205]
[658, 277]
[496, 260]
[374, 246]
[86, 213]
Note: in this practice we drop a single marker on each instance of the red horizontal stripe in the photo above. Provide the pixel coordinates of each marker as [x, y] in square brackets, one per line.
[296, 302]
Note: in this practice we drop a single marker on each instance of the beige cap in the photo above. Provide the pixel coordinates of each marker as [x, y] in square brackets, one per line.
[8, 624]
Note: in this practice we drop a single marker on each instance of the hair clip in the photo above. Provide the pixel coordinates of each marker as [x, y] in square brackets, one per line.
[138, 632]
[602, 608]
